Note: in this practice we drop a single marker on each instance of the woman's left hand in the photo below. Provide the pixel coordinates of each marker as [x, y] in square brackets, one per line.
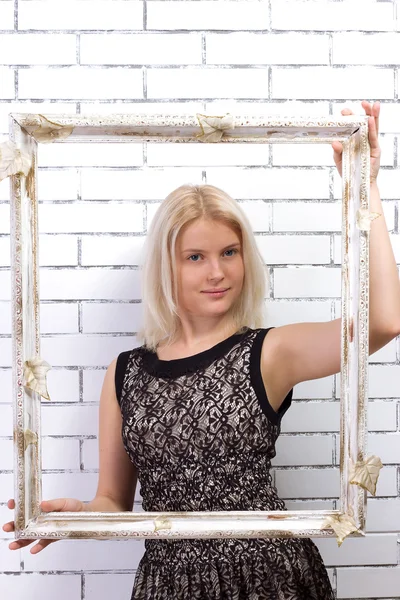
[373, 129]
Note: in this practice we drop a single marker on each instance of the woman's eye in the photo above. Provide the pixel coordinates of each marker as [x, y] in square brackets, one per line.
[191, 256]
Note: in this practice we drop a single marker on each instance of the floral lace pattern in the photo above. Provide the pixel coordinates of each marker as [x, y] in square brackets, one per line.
[202, 434]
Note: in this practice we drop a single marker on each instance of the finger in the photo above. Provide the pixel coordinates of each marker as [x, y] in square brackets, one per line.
[40, 546]
[9, 526]
[367, 107]
[376, 108]
[16, 545]
[347, 111]
[372, 134]
[11, 503]
[60, 505]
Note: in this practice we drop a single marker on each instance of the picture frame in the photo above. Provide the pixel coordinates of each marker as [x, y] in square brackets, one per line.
[358, 473]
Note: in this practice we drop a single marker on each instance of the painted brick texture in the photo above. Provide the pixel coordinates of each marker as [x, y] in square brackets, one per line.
[273, 57]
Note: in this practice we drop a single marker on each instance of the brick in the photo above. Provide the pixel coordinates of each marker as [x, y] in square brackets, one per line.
[111, 318]
[6, 421]
[38, 49]
[107, 583]
[271, 108]
[91, 217]
[112, 250]
[306, 282]
[206, 154]
[10, 560]
[347, 82]
[331, 16]
[63, 385]
[381, 415]
[250, 14]
[146, 108]
[84, 555]
[360, 49]
[311, 416]
[73, 14]
[5, 251]
[309, 504]
[307, 216]
[308, 483]
[60, 454]
[258, 213]
[294, 249]
[92, 383]
[7, 14]
[136, 185]
[198, 83]
[141, 49]
[90, 454]
[268, 48]
[302, 155]
[370, 550]
[111, 154]
[82, 351]
[285, 312]
[58, 250]
[6, 386]
[383, 515]
[5, 217]
[6, 455]
[369, 582]
[303, 450]
[69, 485]
[7, 83]
[271, 184]
[80, 83]
[93, 284]
[64, 587]
[73, 420]
[383, 381]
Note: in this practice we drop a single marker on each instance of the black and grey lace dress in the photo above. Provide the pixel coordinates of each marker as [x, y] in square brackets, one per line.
[201, 433]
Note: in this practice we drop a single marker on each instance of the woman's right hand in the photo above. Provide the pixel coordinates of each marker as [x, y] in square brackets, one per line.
[57, 505]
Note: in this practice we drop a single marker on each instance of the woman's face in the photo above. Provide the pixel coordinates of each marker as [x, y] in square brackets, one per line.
[208, 257]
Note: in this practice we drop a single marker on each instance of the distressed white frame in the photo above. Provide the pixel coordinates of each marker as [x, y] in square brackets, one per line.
[26, 131]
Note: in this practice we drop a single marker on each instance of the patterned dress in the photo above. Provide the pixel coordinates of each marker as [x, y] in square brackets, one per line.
[201, 433]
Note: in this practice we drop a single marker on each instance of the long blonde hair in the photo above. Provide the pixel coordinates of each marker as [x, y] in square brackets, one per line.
[159, 282]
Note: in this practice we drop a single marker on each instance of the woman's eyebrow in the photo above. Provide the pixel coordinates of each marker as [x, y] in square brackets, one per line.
[199, 250]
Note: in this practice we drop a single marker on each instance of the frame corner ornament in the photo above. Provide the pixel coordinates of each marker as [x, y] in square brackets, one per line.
[213, 128]
[365, 473]
[35, 376]
[342, 524]
[13, 160]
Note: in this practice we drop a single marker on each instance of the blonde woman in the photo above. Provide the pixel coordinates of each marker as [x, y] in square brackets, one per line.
[200, 401]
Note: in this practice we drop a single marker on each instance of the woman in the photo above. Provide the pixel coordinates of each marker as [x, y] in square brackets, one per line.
[201, 400]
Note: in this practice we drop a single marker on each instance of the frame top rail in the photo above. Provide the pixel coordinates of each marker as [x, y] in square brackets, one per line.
[172, 128]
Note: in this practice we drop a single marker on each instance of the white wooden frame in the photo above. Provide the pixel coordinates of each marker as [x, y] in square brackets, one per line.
[26, 131]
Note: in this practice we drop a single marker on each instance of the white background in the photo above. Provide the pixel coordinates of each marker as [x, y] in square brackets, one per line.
[247, 57]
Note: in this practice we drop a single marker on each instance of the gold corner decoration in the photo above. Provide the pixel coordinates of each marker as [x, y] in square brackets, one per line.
[342, 525]
[50, 131]
[213, 128]
[30, 437]
[365, 473]
[35, 376]
[161, 523]
[364, 219]
[13, 160]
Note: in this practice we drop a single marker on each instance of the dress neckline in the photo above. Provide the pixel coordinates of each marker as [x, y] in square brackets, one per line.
[188, 364]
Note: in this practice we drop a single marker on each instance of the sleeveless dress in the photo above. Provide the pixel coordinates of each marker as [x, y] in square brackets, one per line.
[201, 433]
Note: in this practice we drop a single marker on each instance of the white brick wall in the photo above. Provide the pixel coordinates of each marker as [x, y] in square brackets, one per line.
[275, 57]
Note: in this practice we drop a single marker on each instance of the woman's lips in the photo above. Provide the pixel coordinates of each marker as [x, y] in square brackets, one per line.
[217, 294]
